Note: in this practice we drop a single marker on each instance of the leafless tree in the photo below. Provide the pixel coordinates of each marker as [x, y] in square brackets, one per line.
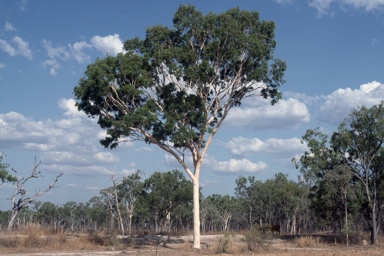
[19, 199]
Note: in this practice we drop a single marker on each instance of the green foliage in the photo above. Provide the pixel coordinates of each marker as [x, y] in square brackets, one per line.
[354, 160]
[168, 192]
[4, 175]
[270, 200]
[361, 140]
[179, 83]
[222, 208]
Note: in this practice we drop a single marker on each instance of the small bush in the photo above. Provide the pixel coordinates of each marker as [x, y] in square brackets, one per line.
[307, 241]
[255, 240]
[225, 244]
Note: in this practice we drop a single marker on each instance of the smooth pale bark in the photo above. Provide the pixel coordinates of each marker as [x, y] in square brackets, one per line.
[196, 213]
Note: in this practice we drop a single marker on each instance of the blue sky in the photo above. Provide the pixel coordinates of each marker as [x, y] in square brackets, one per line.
[334, 51]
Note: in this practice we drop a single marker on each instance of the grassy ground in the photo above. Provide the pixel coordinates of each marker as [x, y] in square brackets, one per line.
[35, 240]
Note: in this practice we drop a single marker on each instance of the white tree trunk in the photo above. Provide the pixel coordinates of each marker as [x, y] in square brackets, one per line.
[196, 213]
[12, 220]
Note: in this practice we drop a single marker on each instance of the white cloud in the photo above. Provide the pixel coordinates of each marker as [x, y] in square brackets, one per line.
[8, 26]
[368, 5]
[2, 65]
[239, 166]
[108, 45]
[23, 5]
[53, 66]
[55, 52]
[111, 44]
[19, 47]
[6, 47]
[69, 144]
[283, 2]
[68, 105]
[260, 115]
[277, 147]
[323, 6]
[22, 47]
[308, 100]
[77, 50]
[339, 104]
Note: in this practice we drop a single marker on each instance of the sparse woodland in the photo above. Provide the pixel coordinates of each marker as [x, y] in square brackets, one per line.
[174, 90]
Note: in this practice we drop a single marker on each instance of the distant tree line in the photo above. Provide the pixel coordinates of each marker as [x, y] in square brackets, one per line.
[163, 203]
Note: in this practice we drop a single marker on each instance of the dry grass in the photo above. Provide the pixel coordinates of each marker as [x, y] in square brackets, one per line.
[36, 237]
[308, 241]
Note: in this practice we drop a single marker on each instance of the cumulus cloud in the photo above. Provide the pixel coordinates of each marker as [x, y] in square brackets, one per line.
[302, 97]
[339, 104]
[111, 44]
[70, 109]
[260, 115]
[279, 147]
[67, 144]
[237, 166]
[17, 47]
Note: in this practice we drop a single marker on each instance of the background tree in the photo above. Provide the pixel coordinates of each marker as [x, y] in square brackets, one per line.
[20, 199]
[164, 193]
[113, 200]
[130, 189]
[69, 211]
[360, 138]
[175, 88]
[358, 143]
[99, 213]
[314, 165]
[224, 206]
[4, 175]
[243, 192]
[339, 180]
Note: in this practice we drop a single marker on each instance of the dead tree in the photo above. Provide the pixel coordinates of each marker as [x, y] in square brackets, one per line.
[19, 199]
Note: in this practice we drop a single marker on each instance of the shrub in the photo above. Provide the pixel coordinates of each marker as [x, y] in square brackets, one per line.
[255, 239]
[225, 244]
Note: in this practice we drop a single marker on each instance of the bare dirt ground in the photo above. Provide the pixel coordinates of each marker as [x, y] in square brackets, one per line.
[182, 245]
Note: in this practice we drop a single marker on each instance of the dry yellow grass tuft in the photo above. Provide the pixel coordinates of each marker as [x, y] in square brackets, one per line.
[307, 241]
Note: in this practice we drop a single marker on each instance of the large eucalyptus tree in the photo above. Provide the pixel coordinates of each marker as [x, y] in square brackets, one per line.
[175, 88]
